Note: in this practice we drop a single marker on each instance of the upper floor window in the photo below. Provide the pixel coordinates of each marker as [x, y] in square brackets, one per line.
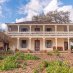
[48, 43]
[24, 29]
[48, 29]
[37, 29]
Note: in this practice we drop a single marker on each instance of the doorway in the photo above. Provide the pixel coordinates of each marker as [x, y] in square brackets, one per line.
[37, 45]
[65, 46]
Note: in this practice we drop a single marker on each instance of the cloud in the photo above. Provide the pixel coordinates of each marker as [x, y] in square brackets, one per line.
[2, 1]
[32, 8]
[52, 6]
[37, 7]
[1, 9]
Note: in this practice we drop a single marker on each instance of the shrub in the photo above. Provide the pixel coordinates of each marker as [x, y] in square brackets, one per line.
[22, 56]
[57, 53]
[2, 57]
[24, 65]
[9, 63]
[19, 56]
[30, 57]
[50, 53]
[57, 67]
[41, 67]
[35, 71]
[71, 70]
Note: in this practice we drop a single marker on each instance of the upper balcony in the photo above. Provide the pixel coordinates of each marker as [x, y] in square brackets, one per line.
[40, 30]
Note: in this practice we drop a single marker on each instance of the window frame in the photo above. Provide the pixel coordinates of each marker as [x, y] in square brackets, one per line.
[48, 29]
[24, 29]
[48, 43]
[23, 43]
[36, 29]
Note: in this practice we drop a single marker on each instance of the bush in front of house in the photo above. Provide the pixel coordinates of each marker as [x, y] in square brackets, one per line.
[54, 67]
[57, 53]
[30, 57]
[41, 67]
[50, 53]
[57, 67]
[23, 56]
[15, 61]
[9, 63]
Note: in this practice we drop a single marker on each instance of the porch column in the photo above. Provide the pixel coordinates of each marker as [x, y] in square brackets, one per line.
[18, 28]
[30, 28]
[43, 29]
[56, 43]
[68, 28]
[44, 44]
[55, 28]
[68, 44]
[18, 43]
[30, 43]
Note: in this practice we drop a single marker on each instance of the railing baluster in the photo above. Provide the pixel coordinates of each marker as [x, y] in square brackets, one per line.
[59, 33]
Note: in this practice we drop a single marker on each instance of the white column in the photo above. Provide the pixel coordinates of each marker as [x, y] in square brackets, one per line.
[68, 44]
[44, 44]
[30, 28]
[43, 29]
[68, 28]
[18, 28]
[56, 43]
[55, 28]
[30, 44]
[18, 43]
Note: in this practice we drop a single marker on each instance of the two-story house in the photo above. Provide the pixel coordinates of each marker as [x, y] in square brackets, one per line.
[38, 36]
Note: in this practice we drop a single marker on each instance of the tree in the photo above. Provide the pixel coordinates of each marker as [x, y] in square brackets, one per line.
[53, 17]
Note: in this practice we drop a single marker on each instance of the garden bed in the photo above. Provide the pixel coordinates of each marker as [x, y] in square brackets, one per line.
[33, 60]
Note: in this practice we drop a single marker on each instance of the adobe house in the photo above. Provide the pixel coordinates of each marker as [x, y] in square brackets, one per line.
[38, 36]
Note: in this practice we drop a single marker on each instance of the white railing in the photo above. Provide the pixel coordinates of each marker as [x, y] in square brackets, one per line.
[58, 33]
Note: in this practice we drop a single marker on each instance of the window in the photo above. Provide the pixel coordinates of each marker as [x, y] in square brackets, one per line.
[48, 29]
[24, 43]
[24, 29]
[48, 43]
[37, 29]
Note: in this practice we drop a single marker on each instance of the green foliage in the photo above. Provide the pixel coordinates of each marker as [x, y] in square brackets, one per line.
[41, 67]
[57, 67]
[16, 60]
[2, 57]
[30, 57]
[57, 53]
[22, 56]
[3, 52]
[35, 71]
[54, 67]
[19, 56]
[9, 63]
[24, 65]
[71, 70]
[50, 53]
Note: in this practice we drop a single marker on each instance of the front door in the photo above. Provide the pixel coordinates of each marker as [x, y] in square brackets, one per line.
[37, 45]
[65, 46]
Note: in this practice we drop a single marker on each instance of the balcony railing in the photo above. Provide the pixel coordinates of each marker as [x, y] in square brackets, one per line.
[58, 33]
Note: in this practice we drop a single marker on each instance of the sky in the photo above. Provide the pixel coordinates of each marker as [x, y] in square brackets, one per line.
[12, 11]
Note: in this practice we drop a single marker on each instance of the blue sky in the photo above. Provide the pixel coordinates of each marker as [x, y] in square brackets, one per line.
[10, 9]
